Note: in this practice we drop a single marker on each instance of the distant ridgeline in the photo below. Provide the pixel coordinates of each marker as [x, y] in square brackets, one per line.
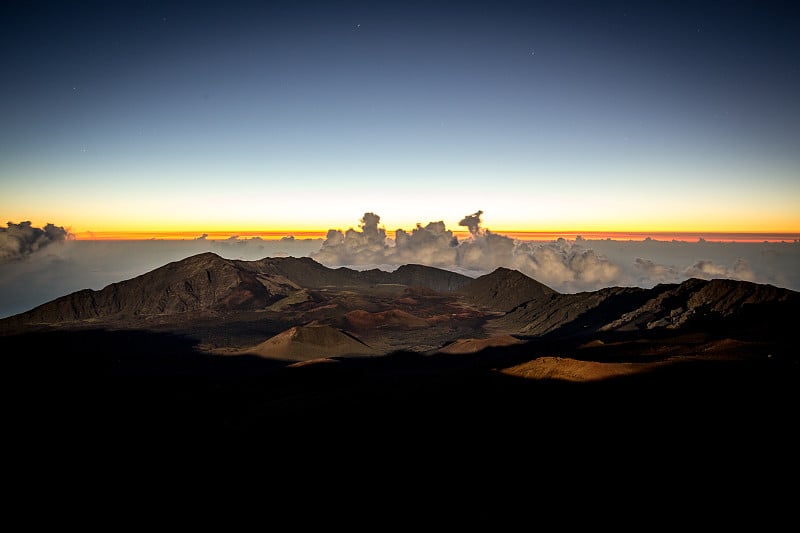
[209, 283]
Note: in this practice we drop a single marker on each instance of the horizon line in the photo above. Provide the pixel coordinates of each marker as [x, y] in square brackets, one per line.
[682, 236]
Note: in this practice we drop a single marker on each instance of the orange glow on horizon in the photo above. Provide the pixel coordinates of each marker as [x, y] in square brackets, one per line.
[193, 235]
[688, 236]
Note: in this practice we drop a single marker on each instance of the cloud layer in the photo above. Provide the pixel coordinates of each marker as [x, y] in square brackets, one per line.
[18, 241]
[567, 266]
[561, 264]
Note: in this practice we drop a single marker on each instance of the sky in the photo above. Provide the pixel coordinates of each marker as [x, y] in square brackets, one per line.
[465, 135]
[235, 117]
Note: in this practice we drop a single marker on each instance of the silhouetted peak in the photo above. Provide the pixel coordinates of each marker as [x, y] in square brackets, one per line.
[431, 277]
[504, 289]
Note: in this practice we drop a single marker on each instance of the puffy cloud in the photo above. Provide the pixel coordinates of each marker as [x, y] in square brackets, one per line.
[561, 265]
[593, 270]
[18, 241]
[472, 222]
[355, 247]
[650, 272]
[485, 251]
[566, 266]
[432, 245]
[708, 270]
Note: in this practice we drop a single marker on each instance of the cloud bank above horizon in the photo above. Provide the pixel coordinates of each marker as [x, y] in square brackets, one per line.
[41, 264]
[567, 266]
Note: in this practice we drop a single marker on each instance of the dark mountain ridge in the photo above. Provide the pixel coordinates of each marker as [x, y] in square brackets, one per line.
[207, 283]
[308, 273]
[693, 303]
[504, 289]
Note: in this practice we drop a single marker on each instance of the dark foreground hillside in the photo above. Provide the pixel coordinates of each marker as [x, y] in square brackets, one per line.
[141, 417]
[132, 384]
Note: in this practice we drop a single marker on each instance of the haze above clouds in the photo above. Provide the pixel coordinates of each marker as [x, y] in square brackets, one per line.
[40, 264]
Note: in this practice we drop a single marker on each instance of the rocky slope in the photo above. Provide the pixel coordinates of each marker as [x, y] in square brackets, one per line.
[306, 272]
[505, 289]
[693, 303]
[208, 282]
[204, 281]
[306, 343]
